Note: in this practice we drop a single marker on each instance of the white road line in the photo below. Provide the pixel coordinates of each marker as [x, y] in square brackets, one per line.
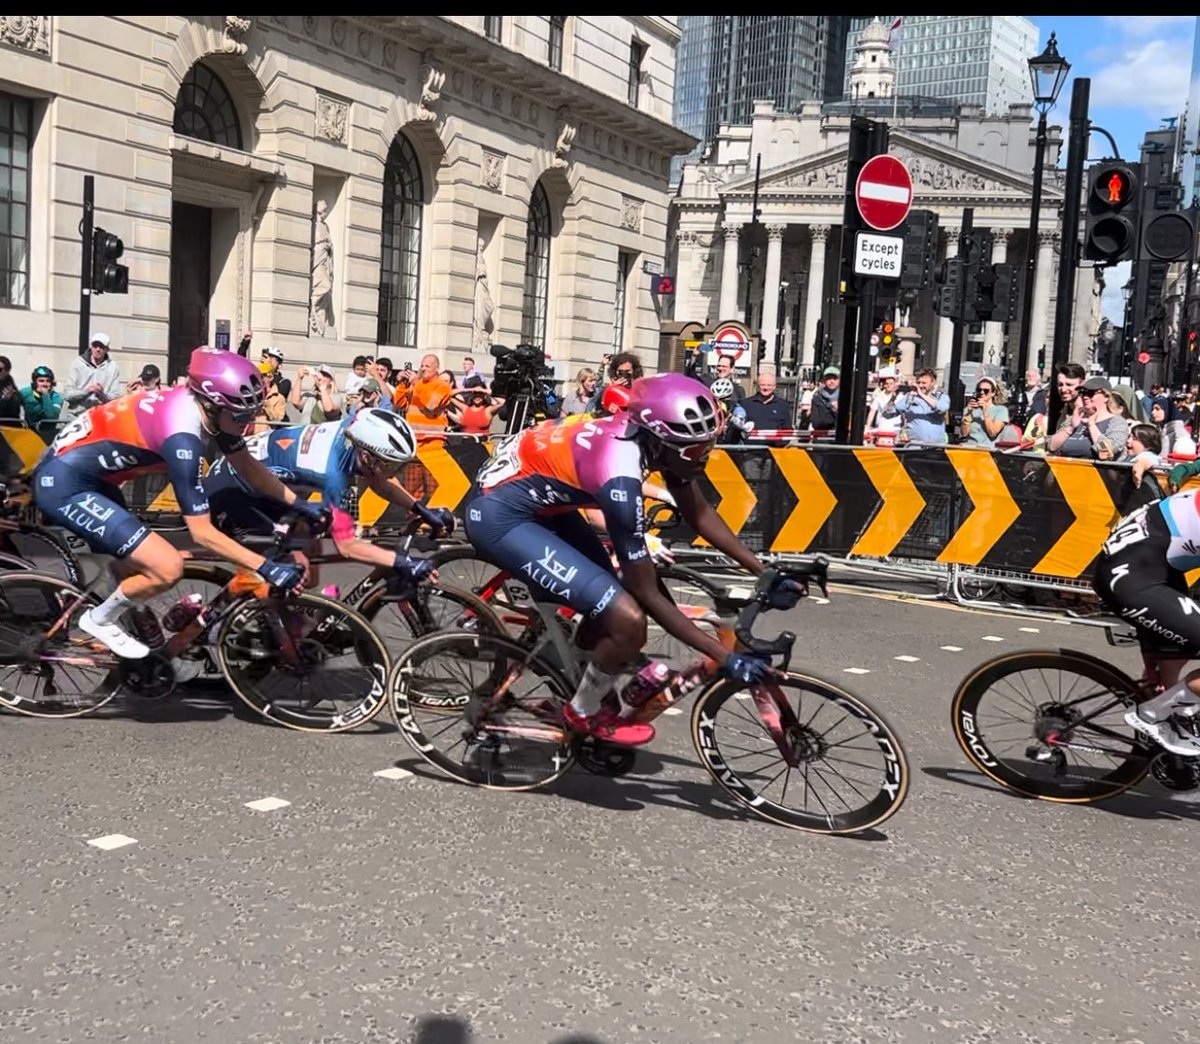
[1030, 630]
[817, 600]
[907, 659]
[267, 804]
[952, 648]
[393, 773]
[110, 841]
[673, 710]
[855, 670]
[991, 638]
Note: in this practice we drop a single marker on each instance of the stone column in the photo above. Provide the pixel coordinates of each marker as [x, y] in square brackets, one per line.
[945, 326]
[993, 333]
[729, 273]
[814, 287]
[770, 307]
[1041, 297]
[685, 262]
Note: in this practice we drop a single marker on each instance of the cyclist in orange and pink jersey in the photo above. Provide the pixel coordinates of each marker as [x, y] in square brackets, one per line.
[523, 516]
[76, 484]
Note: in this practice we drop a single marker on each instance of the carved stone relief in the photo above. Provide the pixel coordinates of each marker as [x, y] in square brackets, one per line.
[566, 136]
[631, 213]
[491, 173]
[332, 119]
[432, 81]
[236, 26]
[365, 41]
[477, 89]
[337, 32]
[28, 32]
[389, 53]
[311, 24]
[457, 82]
[497, 99]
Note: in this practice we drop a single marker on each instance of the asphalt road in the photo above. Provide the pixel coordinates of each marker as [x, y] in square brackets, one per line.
[648, 908]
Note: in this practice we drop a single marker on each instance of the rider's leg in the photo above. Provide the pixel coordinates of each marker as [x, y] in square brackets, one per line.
[152, 567]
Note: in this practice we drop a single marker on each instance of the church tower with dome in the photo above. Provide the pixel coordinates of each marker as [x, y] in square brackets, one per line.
[872, 75]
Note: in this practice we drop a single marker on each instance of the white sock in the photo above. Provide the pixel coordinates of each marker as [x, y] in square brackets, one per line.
[1178, 699]
[593, 687]
[109, 611]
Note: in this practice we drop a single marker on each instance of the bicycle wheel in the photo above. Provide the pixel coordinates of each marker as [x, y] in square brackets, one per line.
[303, 661]
[461, 566]
[10, 562]
[443, 691]
[198, 662]
[846, 770]
[64, 676]
[45, 551]
[1051, 724]
[433, 609]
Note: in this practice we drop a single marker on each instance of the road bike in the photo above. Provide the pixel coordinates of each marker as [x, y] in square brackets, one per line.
[300, 660]
[25, 544]
[795, 749]
[1050, 724]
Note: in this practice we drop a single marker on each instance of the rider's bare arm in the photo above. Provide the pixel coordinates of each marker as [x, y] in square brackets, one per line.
[204, 533]
[358, 550]
[703, 518]
[640, 579]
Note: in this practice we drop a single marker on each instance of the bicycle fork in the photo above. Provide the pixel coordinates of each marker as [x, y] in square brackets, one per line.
[778, 719]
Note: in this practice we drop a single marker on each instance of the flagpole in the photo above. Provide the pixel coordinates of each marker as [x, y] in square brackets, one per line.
[896, 78]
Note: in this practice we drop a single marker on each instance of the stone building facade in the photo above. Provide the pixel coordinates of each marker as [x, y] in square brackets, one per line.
[338, 185]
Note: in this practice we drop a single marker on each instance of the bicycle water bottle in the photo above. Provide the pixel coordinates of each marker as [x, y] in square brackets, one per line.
[643, 687]
[183, 612]
[678, 685]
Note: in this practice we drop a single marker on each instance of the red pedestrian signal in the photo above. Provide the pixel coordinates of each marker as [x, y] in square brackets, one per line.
[1191, 340]
[1112, 224]
[663, 285]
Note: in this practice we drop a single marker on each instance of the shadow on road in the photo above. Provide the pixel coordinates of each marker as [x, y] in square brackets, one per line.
[1141, 802]
[449, 1029]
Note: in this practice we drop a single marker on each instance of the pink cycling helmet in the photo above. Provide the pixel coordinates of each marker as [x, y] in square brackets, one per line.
[675, 408]
[225, 379]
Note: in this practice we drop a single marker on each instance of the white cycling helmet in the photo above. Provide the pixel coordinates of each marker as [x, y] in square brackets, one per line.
[722, 389]
[383, 434]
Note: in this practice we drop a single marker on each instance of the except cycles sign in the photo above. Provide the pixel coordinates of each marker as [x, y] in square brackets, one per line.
[876, 255]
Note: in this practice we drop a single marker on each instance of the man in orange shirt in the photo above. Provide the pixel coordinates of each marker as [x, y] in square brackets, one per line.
[429, 397]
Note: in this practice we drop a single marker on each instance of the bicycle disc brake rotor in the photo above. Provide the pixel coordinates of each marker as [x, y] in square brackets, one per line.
[150, 678]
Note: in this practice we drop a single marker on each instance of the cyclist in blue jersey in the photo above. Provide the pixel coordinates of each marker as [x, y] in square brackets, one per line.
[326, 459]
[523, 515]
[76, 485]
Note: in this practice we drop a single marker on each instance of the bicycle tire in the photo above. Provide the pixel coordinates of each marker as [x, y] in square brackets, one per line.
[719, 750]
[1046, 780]
[282, 692]
[459, 610]
[533, 760]
[29, 603]
[11, 562]
[45, 551]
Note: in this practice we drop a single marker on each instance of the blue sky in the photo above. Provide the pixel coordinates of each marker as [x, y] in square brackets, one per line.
[1139, 68]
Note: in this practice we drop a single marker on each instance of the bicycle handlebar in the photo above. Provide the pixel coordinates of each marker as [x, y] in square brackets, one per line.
[812, 571]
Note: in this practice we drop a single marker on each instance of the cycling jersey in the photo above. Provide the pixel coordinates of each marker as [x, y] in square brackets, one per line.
[308, 457]
[76, 481]
[1181, 512]
[523, 512]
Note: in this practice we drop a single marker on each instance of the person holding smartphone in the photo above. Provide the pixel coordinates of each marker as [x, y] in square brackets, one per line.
[984, 418]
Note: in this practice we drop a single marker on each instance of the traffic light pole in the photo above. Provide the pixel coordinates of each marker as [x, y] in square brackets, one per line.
[868, 292]
[954, 386]
[1069, 255]
[1039, 165]
[85, 271]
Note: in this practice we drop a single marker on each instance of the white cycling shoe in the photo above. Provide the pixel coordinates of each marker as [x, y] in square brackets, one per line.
[121, 642]
[1168, 733]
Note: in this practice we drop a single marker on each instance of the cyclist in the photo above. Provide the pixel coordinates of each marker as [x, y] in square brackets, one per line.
[326, 458]
[1141, 575]
[75, 484]
[522, 514]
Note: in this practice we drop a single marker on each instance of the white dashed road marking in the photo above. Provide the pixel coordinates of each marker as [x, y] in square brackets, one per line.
[393, 773]
[856, 670]
[267, 804]
[110, 841]
[818, 601]
[991, 638]
[908, 659]
[1031, 630]
[673, 710]
[952, 648]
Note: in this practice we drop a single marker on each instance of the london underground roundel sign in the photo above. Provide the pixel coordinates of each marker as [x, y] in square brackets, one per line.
[883, 192]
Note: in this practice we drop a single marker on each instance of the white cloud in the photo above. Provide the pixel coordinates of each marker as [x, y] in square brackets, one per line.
[1141, 27]
[1151, 77]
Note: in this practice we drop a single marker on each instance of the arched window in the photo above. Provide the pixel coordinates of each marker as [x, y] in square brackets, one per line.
[204, 109]
[537, 270]
[400, 264]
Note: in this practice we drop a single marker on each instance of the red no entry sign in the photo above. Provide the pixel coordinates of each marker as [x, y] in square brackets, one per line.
[883, 192]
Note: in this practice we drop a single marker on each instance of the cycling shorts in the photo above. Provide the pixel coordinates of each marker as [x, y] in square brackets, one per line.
[88, 507]
[559, 557]
[1134, 579]
[235, 512]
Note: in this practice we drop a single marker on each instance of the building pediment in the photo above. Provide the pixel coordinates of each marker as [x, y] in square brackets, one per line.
[940, 175]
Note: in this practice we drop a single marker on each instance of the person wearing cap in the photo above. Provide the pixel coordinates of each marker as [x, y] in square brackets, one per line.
[316, 404]
[93, 378]
[923, 411]
[822, 413]
[1098, 434]
[369, 395]
[275, 406]
[274, 356]
[150, 379]
[41, 403]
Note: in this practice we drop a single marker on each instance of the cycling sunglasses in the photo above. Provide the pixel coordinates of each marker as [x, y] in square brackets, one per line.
[693, 453]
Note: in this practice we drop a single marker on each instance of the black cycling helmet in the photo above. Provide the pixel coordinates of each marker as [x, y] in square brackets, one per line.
[41, 371]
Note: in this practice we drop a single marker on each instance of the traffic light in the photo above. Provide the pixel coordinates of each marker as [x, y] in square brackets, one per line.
[1004, 294]
[1113, 216]
[949, 280]
[108, 277]
[1191, 340]
[920, 250]
[887, 338]
[662, 285]
[981, 284]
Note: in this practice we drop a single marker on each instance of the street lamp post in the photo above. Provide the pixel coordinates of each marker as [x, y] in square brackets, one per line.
[1048, 71]
[1127, 331]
